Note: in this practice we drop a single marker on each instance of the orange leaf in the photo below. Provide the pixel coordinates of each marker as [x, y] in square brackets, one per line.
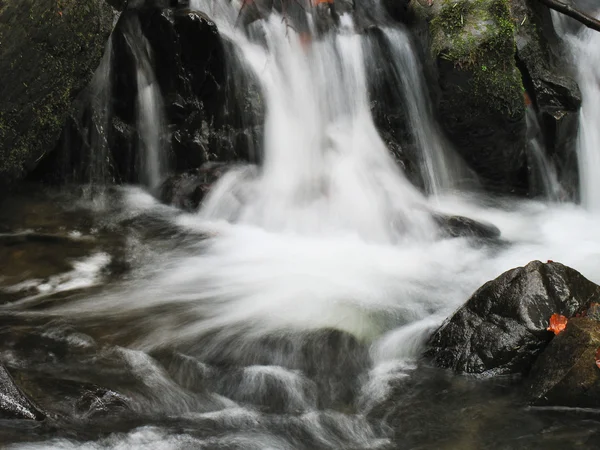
[550, 261]
[558, 323]
[318, 2]
[598, 358]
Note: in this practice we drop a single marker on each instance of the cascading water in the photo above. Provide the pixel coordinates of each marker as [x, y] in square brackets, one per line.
[585, 44]
[291, 309]
[150, 111]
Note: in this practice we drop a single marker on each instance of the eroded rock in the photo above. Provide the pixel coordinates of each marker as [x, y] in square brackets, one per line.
[503, 326]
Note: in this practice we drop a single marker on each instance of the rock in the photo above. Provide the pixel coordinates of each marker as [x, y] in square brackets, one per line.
[550, 85]
[502, 327]
[48, 54]
[13, 403]
[566, 374]
[458, 226]
[187, 190]
[481, 103]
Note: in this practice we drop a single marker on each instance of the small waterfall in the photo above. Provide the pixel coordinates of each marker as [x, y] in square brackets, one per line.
[442, 169]
[544, 180]
[151, 123]
[325, 166]
[585, 45]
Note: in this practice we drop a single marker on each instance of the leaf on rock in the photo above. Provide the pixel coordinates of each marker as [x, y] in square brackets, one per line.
[598, 358]
[558, 323]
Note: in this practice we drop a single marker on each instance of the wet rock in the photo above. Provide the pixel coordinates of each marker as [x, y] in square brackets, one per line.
[13, 403]
[549, 83]
[459, 226]
[48, 54]
[211, 105]
[566, 373]
[503, 326]
[481, 105]
[187, 190]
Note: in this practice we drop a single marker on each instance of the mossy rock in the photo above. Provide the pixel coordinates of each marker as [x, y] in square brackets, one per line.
[482, 104]
[49, 51]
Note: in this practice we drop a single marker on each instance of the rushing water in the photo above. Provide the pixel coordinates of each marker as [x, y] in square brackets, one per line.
[290, 311]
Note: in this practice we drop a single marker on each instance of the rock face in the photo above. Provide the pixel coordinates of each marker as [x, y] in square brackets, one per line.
[48, 53]
[502, 327]
[566, 374]
[13, 403]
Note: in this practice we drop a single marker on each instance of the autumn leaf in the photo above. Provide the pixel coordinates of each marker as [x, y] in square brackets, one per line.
[318, 2]
[598, 358]
[558, 323]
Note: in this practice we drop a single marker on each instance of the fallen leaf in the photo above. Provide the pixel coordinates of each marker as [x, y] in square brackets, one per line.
[598, 358]
[558, 323]
[318, 2]
[549, 261]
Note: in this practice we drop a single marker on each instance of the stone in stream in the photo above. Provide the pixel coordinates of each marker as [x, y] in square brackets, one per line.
[503, 326]
[48, 53]
[566, 373]
[13, 403]
[459, 226]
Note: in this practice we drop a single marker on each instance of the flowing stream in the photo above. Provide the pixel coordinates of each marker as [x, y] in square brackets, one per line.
[290, 311]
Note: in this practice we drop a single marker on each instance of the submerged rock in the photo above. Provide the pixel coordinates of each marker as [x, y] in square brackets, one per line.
[48, 53]
[13, 403]
[503, 326]
[566, 373]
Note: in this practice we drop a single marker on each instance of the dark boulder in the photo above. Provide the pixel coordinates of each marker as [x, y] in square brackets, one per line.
[13, 403]
[48, 54]
[503, 326]
[566, 373]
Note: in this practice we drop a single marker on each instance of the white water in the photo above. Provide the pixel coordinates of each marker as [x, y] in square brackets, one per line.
[328, 232]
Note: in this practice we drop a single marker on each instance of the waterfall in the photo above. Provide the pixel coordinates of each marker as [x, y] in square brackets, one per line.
[151, 123]
[585, 44]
